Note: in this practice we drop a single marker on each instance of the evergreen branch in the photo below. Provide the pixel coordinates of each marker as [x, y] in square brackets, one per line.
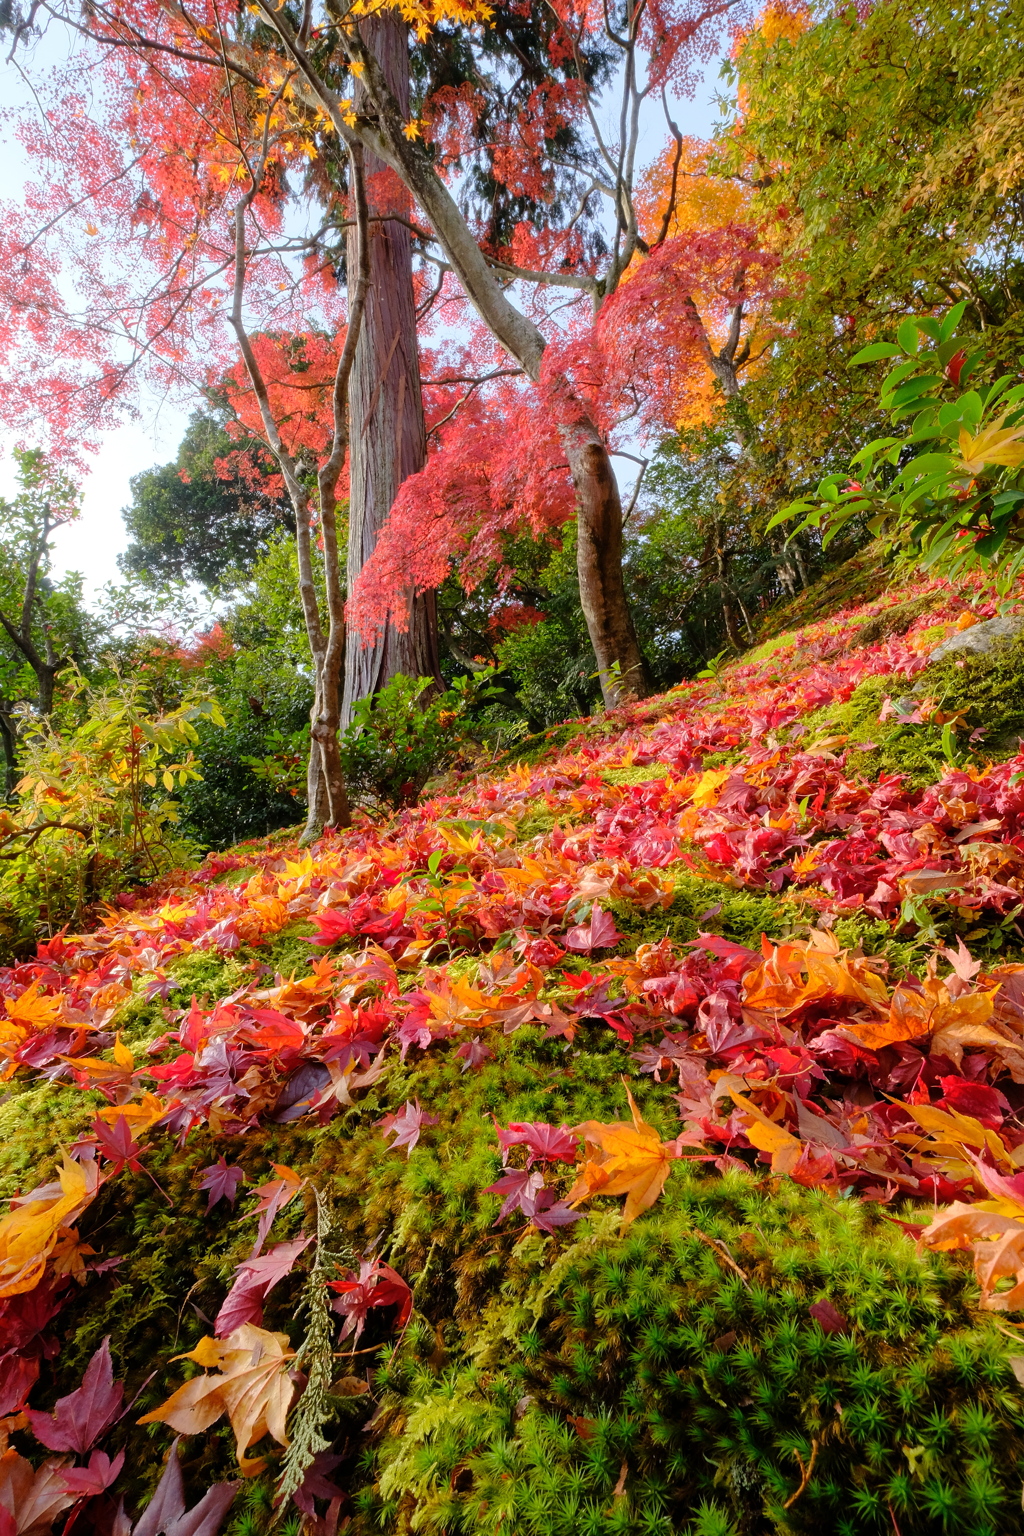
[315, 1356]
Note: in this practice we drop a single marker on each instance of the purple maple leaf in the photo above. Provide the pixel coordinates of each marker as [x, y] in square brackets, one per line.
[96, 1477]
[517, 1185]
[599, 933]
[546, 1213]
[117, 1143]
[166, 1515]
[85, 1415]
[406, 1125]
[317, 1483]
[253, 1282]
[221, 1181]
[473, 1053]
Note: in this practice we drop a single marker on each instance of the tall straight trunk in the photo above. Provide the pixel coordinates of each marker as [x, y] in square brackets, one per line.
[388, 434]
[620, 663]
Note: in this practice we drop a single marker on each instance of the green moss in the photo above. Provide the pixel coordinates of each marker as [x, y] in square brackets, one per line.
[743, 915]
[886, 747]
[290, 952]
[535, 1369]
[990, 692]
[206, 975]
[636, 775]
[861, 579]
[36, 1120]
[635, 1384]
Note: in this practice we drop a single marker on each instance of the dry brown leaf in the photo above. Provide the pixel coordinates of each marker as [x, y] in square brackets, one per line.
[997, 1241]
[253, 1388]
[33, 1497]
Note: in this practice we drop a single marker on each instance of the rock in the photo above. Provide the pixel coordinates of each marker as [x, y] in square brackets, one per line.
[980, 639]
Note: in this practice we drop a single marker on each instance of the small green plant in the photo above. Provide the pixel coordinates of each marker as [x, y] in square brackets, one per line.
[398, 740]
[714, 667]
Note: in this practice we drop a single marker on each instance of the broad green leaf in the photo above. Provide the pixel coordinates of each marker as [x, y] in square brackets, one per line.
[873, 351]
[875, 446]
[952, 319]
[907, 335]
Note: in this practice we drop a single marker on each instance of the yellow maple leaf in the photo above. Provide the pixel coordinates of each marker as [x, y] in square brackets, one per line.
[29, 1231]
[139, 1116]
[765, 1134]
[33, 1011]
[705, 792]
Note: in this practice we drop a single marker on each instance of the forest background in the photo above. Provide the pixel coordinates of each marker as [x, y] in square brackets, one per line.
[424, 337]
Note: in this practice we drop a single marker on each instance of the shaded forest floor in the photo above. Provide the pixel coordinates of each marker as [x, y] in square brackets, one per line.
[781, 908]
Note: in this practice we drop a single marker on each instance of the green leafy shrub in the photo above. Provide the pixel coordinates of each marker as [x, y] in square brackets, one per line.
[396, 741]
[93, 812]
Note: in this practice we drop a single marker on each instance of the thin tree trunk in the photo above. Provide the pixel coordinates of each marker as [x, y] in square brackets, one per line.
[10, 744]
[620, 663]
[389, 441]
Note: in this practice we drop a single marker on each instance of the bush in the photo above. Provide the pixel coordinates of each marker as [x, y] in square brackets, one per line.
[396, 742]
[93, 812]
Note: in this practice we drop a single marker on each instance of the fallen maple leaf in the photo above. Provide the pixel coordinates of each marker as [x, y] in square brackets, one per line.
[795, 974]
[599, 933]
[31, 1498]
[84, 1482]
[139, 1117]
[272, 1197]
[763, 1133]
[406, 1126]
[33, 1010]
[376, 1285]
[116, 1143]
[622, 1159]
[997, 1241]
[252, 1387]
[85, 1415]
[29, 1231]
[254, 1280]
[221, 1181]
[166, 1515]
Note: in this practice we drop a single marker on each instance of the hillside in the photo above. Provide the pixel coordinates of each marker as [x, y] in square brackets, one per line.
[611, 1087]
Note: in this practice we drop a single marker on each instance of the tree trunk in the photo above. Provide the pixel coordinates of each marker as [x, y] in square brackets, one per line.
[10, 744]
[722, 559]
[620, 664]
[388, 435]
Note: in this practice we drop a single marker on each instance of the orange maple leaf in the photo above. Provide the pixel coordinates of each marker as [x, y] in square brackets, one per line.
[34, 1011]
[793, 975]
[622, 1159]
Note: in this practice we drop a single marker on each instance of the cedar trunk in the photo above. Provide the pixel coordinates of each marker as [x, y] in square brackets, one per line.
[620, 663]
[388, 435]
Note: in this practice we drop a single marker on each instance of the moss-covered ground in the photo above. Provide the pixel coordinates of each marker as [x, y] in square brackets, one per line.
[752, 1356]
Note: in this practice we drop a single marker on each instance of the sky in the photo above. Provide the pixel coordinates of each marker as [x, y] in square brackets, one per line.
[92, 544]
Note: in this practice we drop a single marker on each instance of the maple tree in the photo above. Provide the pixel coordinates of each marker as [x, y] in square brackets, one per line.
[775, 910]
[562, 101]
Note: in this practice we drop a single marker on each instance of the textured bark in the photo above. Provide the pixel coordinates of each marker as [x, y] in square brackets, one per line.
[388, 435]
[620, 664]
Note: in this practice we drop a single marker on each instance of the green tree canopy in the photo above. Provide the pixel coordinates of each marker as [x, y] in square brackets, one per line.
[208, 516]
